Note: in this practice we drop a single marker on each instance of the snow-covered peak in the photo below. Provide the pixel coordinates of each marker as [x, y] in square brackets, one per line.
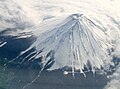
[74, 41]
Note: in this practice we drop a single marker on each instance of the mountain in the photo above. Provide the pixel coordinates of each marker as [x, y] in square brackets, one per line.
[72, 41]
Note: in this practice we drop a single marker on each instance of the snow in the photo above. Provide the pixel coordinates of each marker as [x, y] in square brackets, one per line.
[65, 73]
[2, 44]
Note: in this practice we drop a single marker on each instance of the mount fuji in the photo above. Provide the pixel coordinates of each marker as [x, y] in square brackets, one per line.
[72, 41]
